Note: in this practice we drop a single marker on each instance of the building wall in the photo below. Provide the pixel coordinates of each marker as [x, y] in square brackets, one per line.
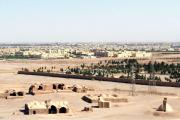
[38, 111]
[43, 111]
[139, 81]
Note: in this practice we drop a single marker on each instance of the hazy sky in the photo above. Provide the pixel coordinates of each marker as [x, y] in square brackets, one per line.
[89, 20]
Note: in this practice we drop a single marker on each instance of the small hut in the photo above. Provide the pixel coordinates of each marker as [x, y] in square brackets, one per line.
[106, 97]
[14, 94]
[103, 104]
[40, 88]
[79, 88]
[58, 86]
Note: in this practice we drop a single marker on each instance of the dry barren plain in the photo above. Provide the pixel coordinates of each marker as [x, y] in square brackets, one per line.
[142, 106]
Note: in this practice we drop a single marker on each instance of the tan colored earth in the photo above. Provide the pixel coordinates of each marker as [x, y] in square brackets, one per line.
[142, 106]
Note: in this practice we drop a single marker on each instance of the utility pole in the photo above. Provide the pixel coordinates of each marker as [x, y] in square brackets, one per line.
[133, 81]
[152, 81]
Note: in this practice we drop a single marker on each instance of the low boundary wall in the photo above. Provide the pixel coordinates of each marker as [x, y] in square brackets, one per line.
[87, 77]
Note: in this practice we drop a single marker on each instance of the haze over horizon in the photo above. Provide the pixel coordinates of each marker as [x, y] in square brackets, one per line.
[23, 21]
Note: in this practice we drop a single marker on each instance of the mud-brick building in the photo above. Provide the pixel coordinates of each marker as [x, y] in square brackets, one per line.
[79, 88]
[46, 107]
[40, 88]
[59, 86]
[103, 104]
[106, 97]
[47, 88]
[11, 94]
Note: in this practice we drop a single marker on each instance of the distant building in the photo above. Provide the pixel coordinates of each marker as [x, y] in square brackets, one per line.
[59, 53]
[46, 54]
[142, 54]
[176, 46]
[136, 54]
[101, 53]
[124, 54]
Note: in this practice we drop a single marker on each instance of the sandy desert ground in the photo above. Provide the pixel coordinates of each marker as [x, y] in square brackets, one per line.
[140, 107]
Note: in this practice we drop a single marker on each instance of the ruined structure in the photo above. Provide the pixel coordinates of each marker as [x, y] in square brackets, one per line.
[12, 94]
[79, 89]
[40, 89]
[90, 98]
[165, 107]
[106, 97]
[48, 88]
[46, 107]
[113, 98]
[58, 86]
[103, 103]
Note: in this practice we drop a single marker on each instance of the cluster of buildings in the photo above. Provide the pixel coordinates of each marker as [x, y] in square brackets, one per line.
[66, 53]
[8, 51]
[61, 106]
[44, 54]
[12, 94]
[56, 107]
[56, 87]
[85, 50]
[124, 54]
[69, 53]
[47, 106]
[114, 98]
